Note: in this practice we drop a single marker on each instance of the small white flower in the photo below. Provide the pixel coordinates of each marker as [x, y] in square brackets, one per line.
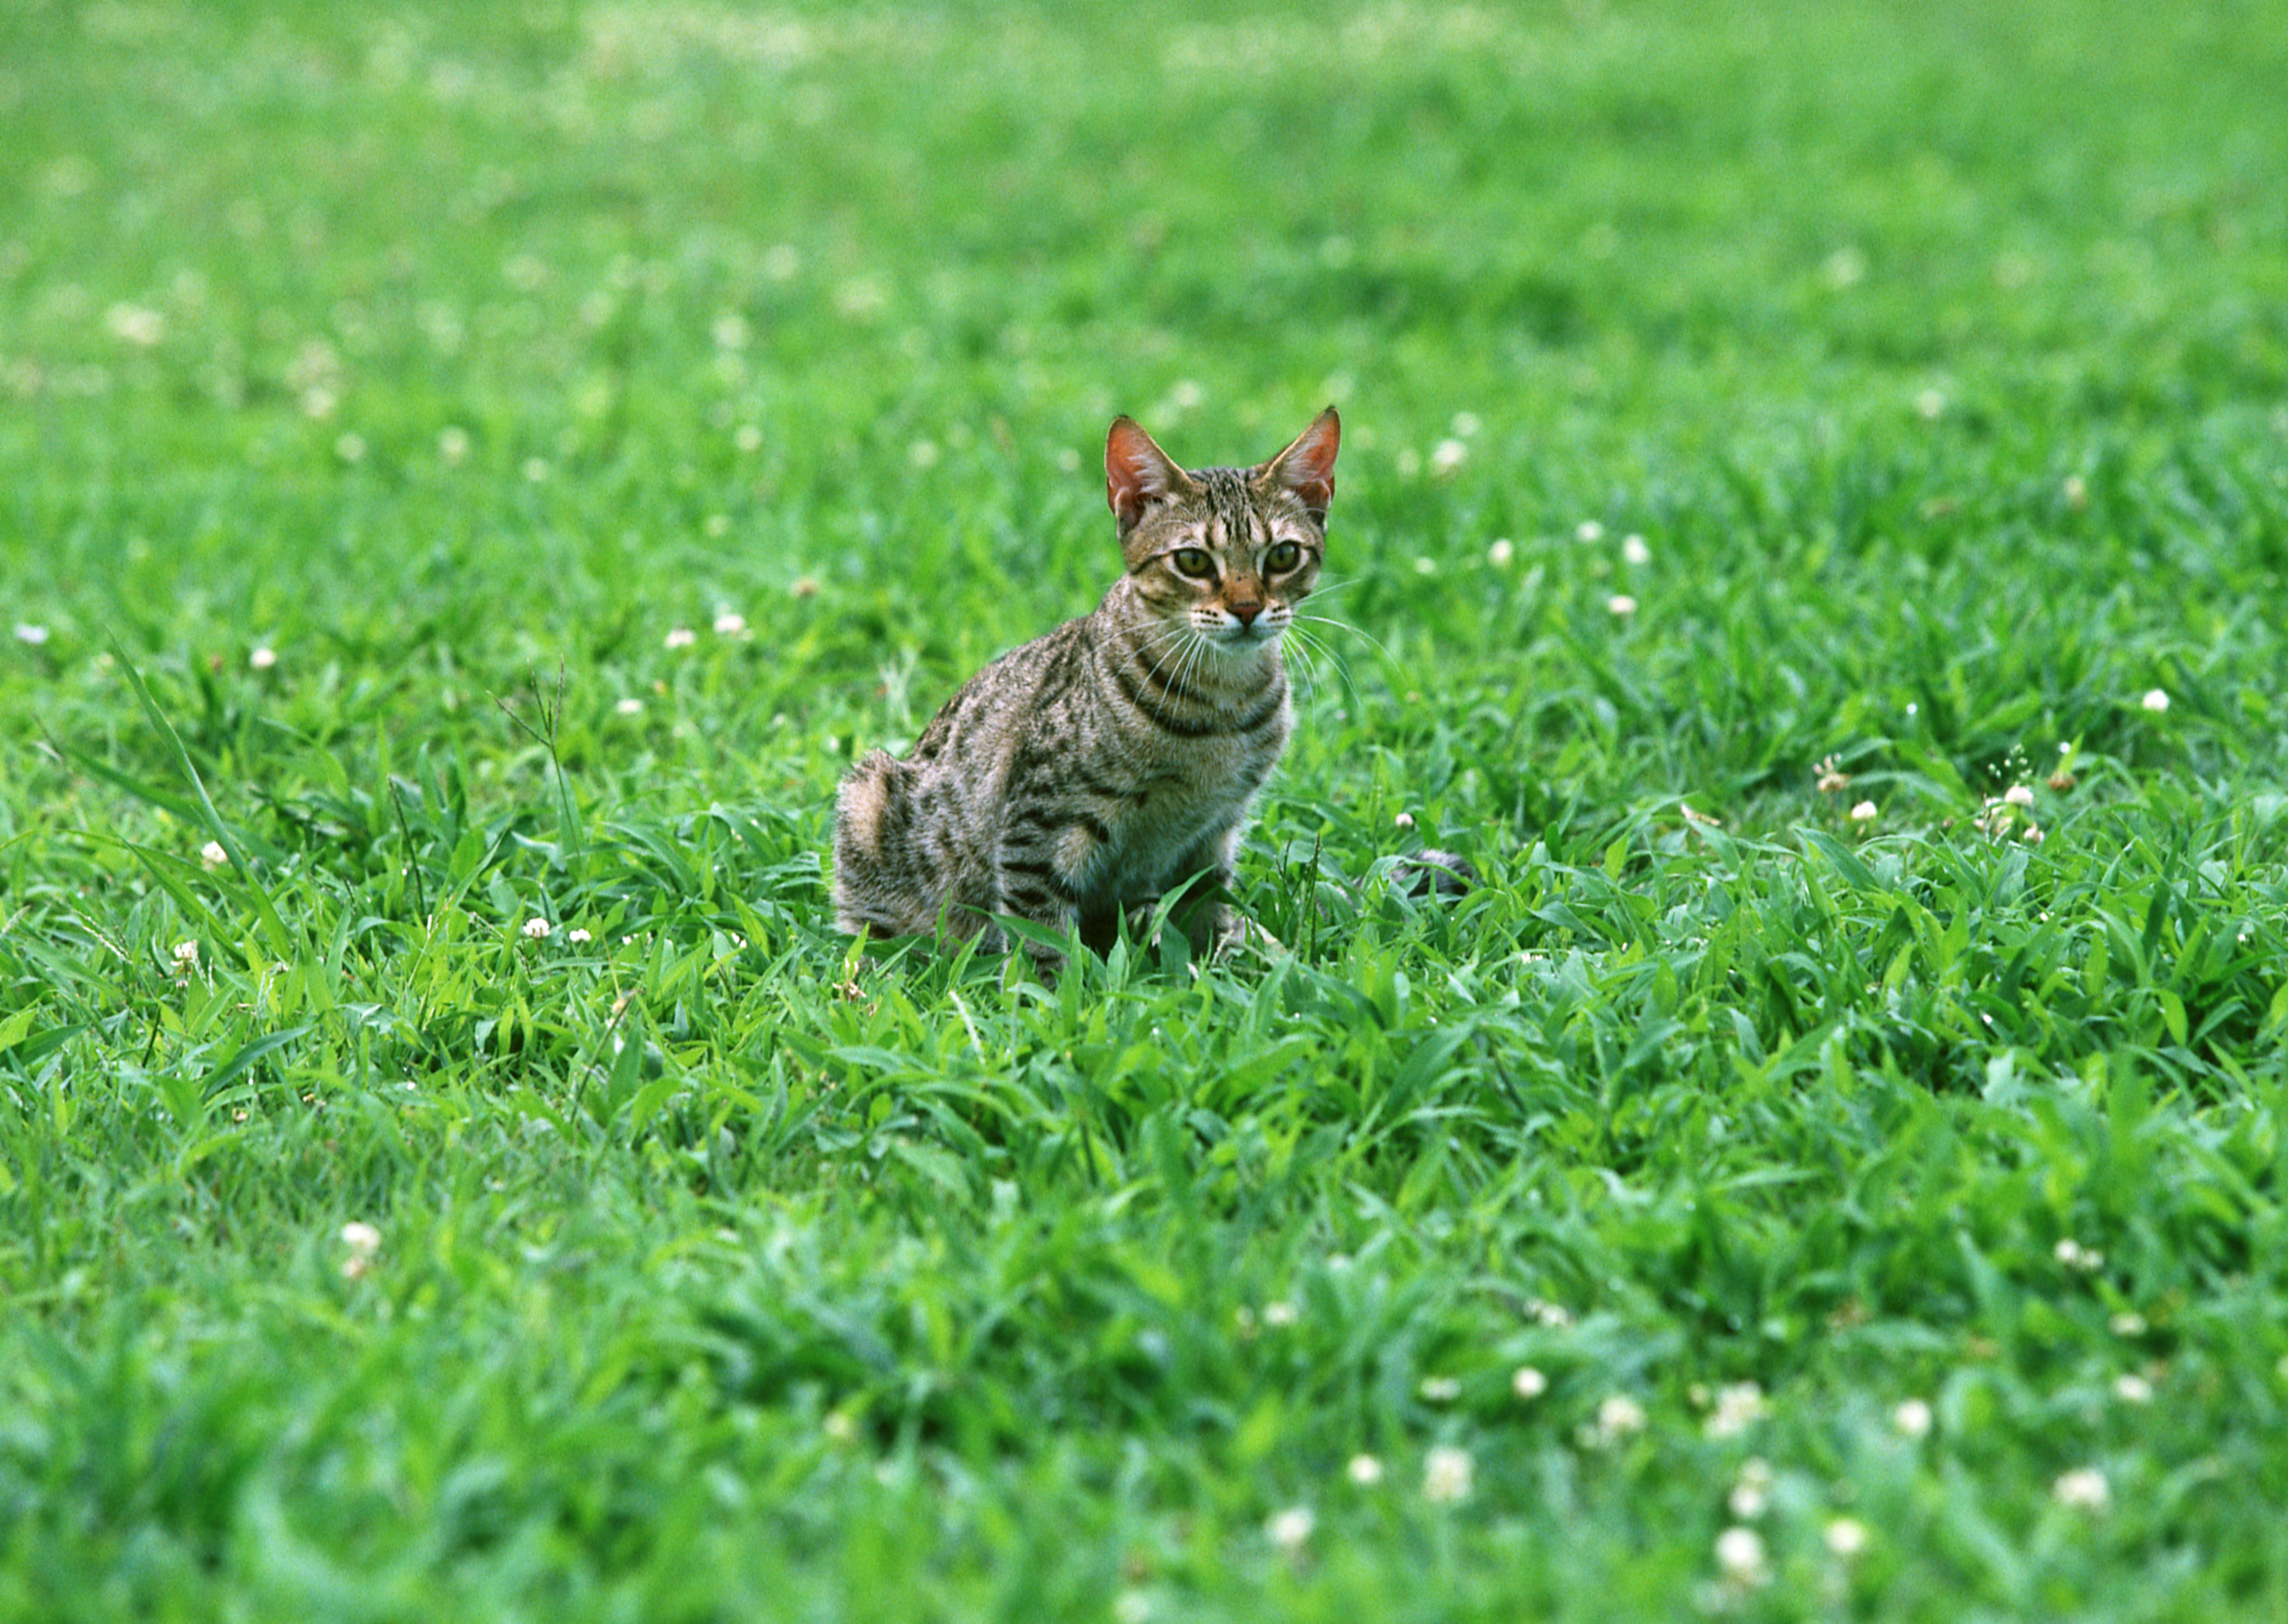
[1740, 1555]
[1738, 1405]
[185, 955]
[263, 658]
[1448, 455]
[1131, 1607]
[1501, 553]
[578, 936]
[538, 928]
[1556, 1316]
[629, 706]
[1622, 605]
[452, 445]
[1426, 567]
[730, 624]
[1439, 1390]
[1846, 1536]
[361, 1238]
[2128, 1322]
[681, 636]
[1187, 394]
[2131, 1388]
[535, 469]
[748, 437]
[2032, 834]
[1467, 424]
[1278, 1316]
[838, 1427]
[1290, 1529]
[26, 632]
[1404, 820]
[1865, 812]
[135, 324]
[1589, 530]
[2084, 1487]
[1618, 1417]
[1912, 1418]
[923, 454]
[1929, 404]
[1446, 1475]
[2019, 794]
[730, 331]
[1634, 551]
[2155, 700]
[1527, 1383]
[1364, 1471]
[212, 855]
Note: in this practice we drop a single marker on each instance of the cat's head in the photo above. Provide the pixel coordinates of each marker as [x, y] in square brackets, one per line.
[1223, 553]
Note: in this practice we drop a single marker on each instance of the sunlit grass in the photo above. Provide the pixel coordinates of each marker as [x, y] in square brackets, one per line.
[1809, 532]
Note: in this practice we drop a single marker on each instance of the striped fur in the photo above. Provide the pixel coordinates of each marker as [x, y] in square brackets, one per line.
[1082, 776]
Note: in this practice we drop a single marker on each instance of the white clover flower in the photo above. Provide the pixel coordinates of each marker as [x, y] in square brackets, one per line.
[1448, 455]
[923, 454]
[1589, 530]
[1865, 812]
[1753, 1490]
[2128, 1322]
[2032, 834]
[1446, 1475]
[452, 445]
[1466, 424]
[135, 324]
[1740, 1555]
[1527, 1383]
[1279, 1315]
[185, 955]
[1364, 1471]
[681, 636]
[1634, 551]
[578, 936]
[1929, 404]
[1622, 605]
[1187, 394]
[361, 1238]
[1912, 1418]
[2155, 700]
[29, 634]
[1556, 1316]
[1426, 567]
[263, 658]
[1439, 1390]
[1290, 1529]
[1738, 1405]
[748, 437]
[2019, 794]
[1846, 1536]
[1131, 1607]
[2131, 1388]
[538, 928]
[212, 855]
[629, 706]
[1617, 1417]
[1501, 552]
[1404, 820]
[535, 469]
[2085, 1488]
[730, 624]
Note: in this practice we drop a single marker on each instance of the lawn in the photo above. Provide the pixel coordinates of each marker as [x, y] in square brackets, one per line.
[1810, 531]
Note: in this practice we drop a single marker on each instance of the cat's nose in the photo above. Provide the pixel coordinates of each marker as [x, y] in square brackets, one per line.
[1246, 613]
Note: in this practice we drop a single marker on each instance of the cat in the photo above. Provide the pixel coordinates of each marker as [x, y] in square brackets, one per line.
[1077, 779]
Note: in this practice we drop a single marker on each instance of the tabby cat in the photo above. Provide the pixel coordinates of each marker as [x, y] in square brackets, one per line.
[1077, 779]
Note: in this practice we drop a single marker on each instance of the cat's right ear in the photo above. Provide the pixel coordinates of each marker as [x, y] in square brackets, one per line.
[1136, 472]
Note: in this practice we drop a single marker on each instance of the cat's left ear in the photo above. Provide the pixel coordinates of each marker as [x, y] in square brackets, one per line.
[1307, 467]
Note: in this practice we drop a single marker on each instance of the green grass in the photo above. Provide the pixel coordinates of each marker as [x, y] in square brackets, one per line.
[459, 356]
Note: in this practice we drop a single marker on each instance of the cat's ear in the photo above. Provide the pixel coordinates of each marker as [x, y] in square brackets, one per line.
[1137, 472]
[1307, 467]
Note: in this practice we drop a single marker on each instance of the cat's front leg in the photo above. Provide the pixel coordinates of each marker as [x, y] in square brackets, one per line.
[1036, 883]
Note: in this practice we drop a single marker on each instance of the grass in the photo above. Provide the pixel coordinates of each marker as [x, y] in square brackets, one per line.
[458, 357]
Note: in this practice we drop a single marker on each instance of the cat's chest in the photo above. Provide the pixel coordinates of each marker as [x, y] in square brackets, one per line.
[1168, 810]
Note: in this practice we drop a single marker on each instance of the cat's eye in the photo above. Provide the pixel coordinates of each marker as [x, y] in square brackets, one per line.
[1282, 557]
[1194, 562]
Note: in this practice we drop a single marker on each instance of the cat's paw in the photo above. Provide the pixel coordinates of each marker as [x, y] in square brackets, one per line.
[1238, 934]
